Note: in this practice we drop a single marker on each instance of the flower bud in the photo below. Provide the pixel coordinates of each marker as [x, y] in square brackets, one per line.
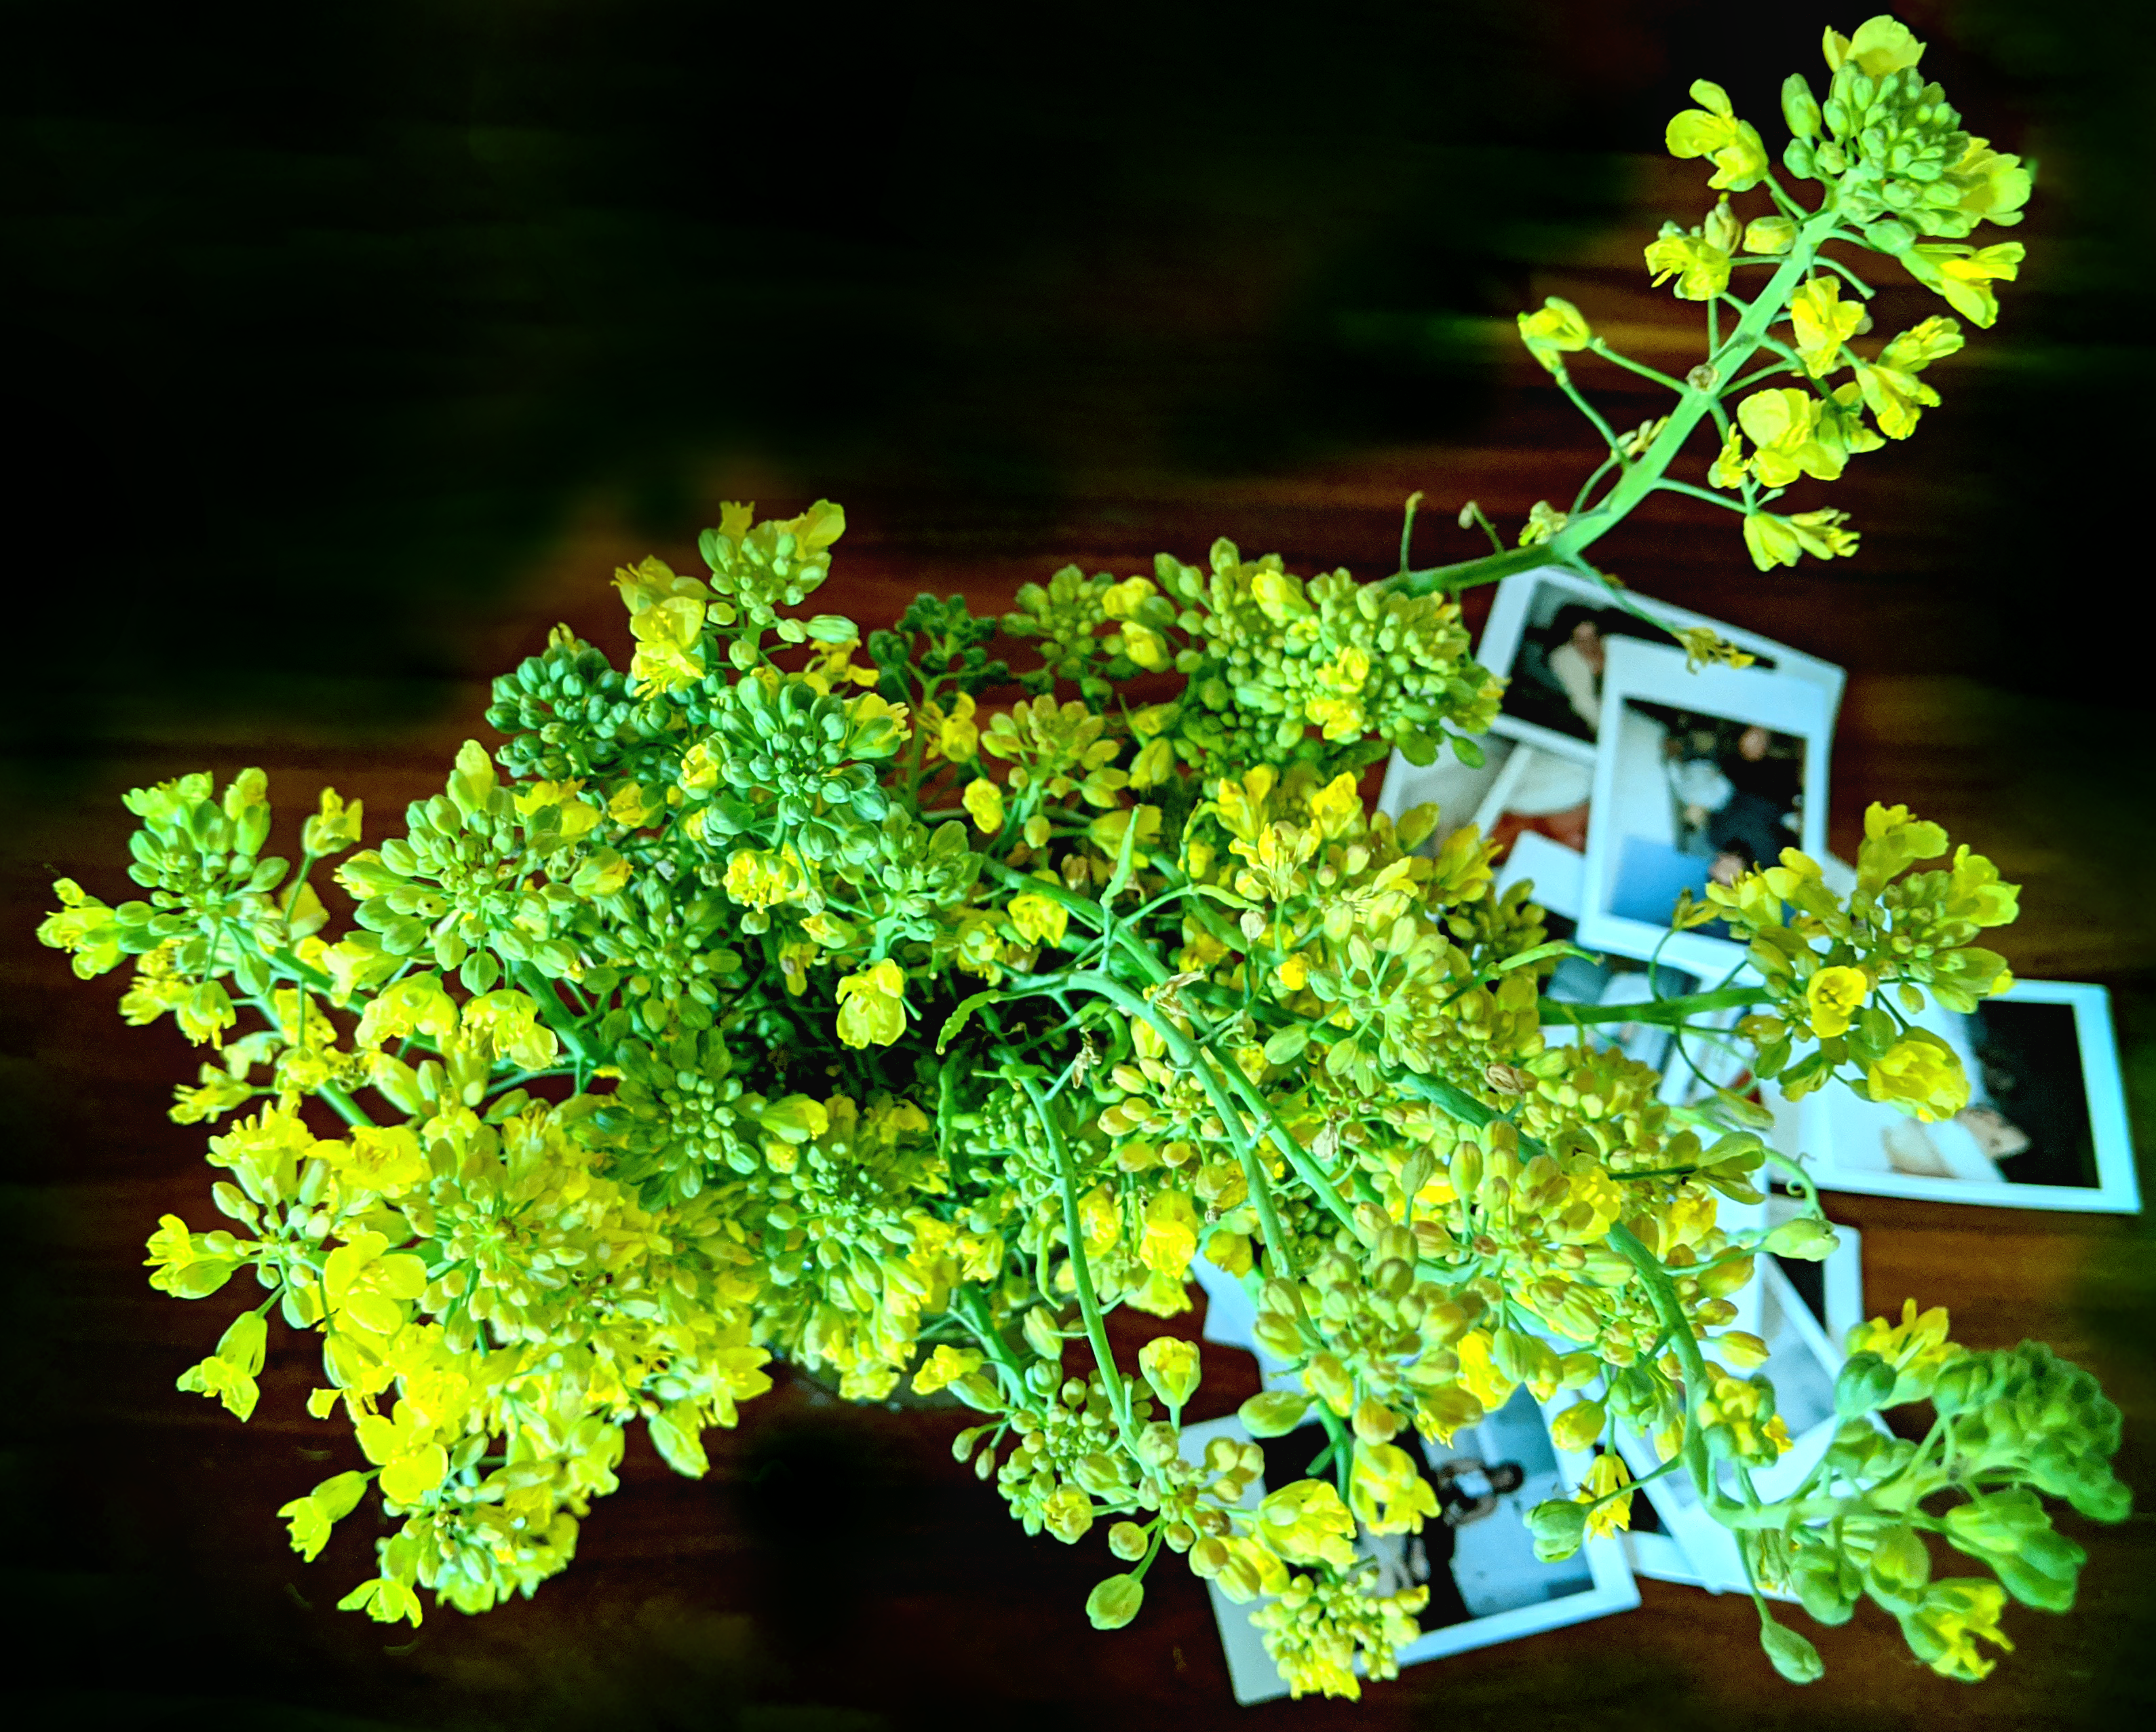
[1115, 1602]
[1275, 1413]
[1805, 1237]
[1800, 109]
[1128, 1541]
[1577, 1426]
[1374, 1422]
[1329, 1381]
[1865, 1384]
[1157, 1445]
[1793, 1657]
[1558, 1525]
[1171, 1365]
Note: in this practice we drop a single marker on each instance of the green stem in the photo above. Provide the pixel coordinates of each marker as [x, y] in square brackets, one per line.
[555, 1013]
[1662, 1295]
[1667, 486]
[1088, 1307]
[1666, 1012]
[343, 1105]
[1750, 332]
[1640, 367]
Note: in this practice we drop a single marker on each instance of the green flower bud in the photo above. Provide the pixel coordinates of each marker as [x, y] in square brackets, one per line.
[1558, 1525]
[1806, 1237]
[1800, 109]
[1866, 1382]
[1275, 1413]
[1793, 1657]
[1115, 1602]
[1171, 1365]
[1128, 1541]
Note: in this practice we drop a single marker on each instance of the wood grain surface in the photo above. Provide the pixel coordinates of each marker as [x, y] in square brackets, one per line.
[836, 1570]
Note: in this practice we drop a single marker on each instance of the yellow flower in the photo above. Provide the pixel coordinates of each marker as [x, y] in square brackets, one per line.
[1039, 920]
[1145, 646]
[1881, 45]
[1774, 540]
[945, 1367]
[872, 1006]
[1834, 996]
[1920, 1075]
[1386, 1492]
[1557, 326]
[1822, 324]
[507, 1022]
[984, 801]
[1955, 1615]
[758, 879]
[416, 1006]
[83, 926]
[1305, 1522]
[1479, 1375]
[1700, 268]
[1122, 601]
[1713, 132]
[1607, 1476]
[381, 1158]
[954, 735]
[1171, 1234]
[1995, 185]
[334, 828]
[1918, 1343]
[668, 647]
[205, 1013]
[1171, 1365]
[1963, 276]
[1784, 424]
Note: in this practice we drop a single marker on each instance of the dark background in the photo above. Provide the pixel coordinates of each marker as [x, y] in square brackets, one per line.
[354, 344]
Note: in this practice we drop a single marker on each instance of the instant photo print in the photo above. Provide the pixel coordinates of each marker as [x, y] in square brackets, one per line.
[1550, 632]
[1476, 1557]
[1802, 1362]
[2045, 1124]
[1516, 791]
[1699, 775]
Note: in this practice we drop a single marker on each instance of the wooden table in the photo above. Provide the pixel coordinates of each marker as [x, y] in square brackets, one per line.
[835, 1569]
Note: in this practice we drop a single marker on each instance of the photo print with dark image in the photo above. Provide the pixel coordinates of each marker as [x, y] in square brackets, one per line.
[2044, 1126]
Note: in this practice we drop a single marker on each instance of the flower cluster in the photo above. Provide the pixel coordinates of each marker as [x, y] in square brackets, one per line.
[902, 1018]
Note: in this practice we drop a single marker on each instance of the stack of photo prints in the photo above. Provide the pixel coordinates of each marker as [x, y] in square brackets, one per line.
[1616, 779]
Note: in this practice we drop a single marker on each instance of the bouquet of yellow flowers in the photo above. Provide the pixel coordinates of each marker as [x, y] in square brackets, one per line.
[781, 995]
